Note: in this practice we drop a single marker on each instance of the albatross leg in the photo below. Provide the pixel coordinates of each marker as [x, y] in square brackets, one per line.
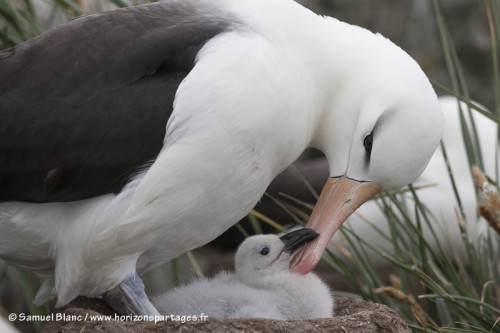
[129, 297]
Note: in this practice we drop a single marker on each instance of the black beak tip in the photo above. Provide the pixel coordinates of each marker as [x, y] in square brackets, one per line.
[297, 238]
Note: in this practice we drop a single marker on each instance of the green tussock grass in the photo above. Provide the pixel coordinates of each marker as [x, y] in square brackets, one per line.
[433, 290]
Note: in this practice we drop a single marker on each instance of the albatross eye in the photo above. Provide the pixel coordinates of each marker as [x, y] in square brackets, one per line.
[368, 143]
[264, 251]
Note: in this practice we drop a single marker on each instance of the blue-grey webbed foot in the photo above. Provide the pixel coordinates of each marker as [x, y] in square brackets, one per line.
[129, 297]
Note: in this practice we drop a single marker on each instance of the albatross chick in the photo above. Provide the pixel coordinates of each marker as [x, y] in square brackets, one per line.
[263, 286]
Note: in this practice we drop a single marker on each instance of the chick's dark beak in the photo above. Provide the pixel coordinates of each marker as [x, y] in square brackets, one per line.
[295, 239]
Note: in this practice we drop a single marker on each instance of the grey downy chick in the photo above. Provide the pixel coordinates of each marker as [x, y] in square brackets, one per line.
[263, 286]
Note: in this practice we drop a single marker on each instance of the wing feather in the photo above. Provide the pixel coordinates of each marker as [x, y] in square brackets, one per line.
[84, 105]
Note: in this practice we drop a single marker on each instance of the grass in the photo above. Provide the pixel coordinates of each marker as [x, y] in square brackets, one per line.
[433, 291]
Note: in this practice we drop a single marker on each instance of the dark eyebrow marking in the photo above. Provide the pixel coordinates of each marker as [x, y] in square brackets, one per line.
[383, 117]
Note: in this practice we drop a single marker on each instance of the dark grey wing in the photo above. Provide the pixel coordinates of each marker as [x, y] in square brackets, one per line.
[83, 106]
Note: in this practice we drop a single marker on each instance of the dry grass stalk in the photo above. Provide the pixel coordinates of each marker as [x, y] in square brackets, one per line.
[489, 199]
[267, 220]
[397, 294]
[395, 281]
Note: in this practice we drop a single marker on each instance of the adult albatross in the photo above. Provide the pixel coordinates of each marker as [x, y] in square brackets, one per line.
[96, 185]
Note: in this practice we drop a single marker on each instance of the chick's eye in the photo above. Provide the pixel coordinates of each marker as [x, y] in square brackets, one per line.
[264, 251]
[368, 143]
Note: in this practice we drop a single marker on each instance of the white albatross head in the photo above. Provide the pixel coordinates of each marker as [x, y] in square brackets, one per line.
[378, 127]
[259, 258]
